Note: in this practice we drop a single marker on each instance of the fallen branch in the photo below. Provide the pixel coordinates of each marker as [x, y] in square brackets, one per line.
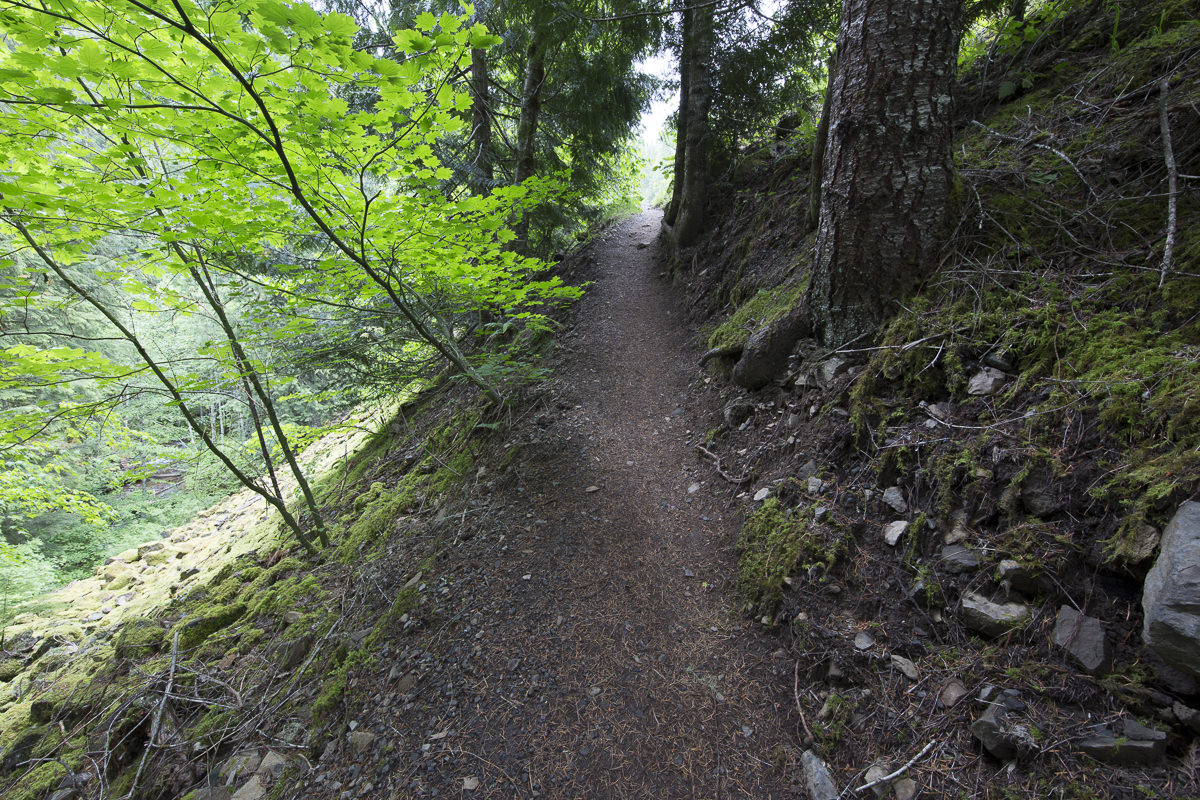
[721, 472]
[799, 707]
[158, 715]
[1164, 122]
[899, 772]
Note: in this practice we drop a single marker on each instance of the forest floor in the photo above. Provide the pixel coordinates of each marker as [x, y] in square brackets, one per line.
[591, 643]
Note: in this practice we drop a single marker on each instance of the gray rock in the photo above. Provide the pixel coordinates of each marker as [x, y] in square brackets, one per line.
[1171, 596]
[816, 776]
[290, 655]
[989, 728]
[863, 641]
[992, 619]
[1014, 575]
[1040, 499]
[831, 369]
[1000, 737]
[241, 764]
[253, 789]
[904, 788]
[905, 666]
[738, 410]
[806, 471]
[816, 485]
[893, 531]
[272, 766]
[361, 741]
[987, 381]
[1000, 359]
[1187, 715]
[952, 692]
[1126, 750]
[958, 559]
[877, 772]
[1083, 639]
[895, 498]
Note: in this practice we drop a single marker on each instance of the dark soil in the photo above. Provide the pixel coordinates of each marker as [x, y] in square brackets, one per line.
[585, 637]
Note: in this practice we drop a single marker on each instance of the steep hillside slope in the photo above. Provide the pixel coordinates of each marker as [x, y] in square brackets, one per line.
[966, 509]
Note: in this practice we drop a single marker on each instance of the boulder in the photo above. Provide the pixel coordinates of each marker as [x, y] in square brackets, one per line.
[1084, 640]
[992, 619]
[1171, 595]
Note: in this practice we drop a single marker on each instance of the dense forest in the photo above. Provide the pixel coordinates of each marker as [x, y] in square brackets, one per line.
[313, 316]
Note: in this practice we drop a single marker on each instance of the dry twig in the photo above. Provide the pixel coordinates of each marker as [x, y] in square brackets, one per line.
[721, 472]
[1164, 122]
[899, 772]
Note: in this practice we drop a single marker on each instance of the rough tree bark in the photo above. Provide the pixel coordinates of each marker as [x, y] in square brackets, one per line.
[688, 216]
[685, 57]
[531, 108]
[481, 121]
[888, 177]
[816, 173]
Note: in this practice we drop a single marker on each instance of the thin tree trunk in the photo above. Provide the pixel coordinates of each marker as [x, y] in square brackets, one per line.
[181, 403]
[531, 107]
[689, 220]
[816, 171]
[685, 62]
[481, 121]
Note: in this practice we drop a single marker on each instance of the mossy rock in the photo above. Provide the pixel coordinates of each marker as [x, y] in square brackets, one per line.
[10, 668]
[762, 309]
[139, 638]
[197, 631]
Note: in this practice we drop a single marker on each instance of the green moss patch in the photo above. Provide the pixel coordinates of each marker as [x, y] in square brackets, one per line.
[764, 308]
[777, 542]
[197, 631]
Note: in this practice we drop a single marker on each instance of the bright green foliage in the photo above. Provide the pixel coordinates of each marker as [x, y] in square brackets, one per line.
[245, 127]
[173, 163]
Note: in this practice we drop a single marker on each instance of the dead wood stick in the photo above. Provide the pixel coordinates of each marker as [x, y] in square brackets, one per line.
[158, 715]
[799, 707]
[1164, 122]
[721, 472]
[900, 771]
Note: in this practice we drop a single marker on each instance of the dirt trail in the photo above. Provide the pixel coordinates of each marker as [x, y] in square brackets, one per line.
[588, 644]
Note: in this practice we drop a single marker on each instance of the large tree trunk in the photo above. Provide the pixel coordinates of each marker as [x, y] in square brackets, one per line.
[481, 121]
[531, 107]
[689, 219]
[888, 176]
